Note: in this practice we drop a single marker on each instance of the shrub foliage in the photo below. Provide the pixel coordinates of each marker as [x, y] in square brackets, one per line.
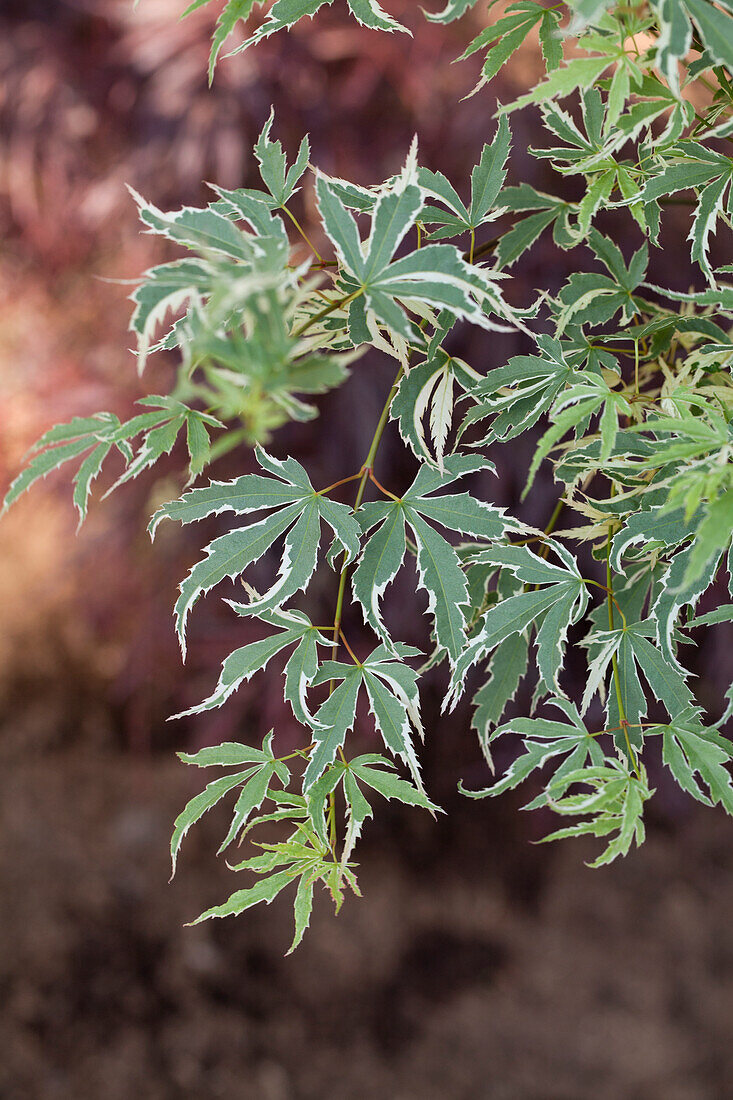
[628, 382]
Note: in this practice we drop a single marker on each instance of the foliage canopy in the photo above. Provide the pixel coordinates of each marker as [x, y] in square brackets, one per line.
[629, 383]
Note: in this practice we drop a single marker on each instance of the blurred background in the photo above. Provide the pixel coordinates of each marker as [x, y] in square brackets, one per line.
[477, 964]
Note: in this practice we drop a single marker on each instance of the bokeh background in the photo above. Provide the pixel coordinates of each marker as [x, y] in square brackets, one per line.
[477, 964]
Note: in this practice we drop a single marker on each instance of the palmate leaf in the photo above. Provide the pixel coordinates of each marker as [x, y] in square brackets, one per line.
[690, 750]
[64, 443]
[439, 567]
[517, 394]
[91, 439]
[391, 688]
[303, 858]
[294, 629]
[487, 178]
[205, 231]
[612, 799]
[428, 389]
[614, 803]
[382, 286]
[251, 359]
[260, 766]
[502, 38]
[588, 396]
[280, 180]
[636, 655]
[592, 299]
[591, 149]
[232, 261]
[284, 14]
[297, 512]
[372, 771]
[555, 597]
[567, 743]
[692, 166]
[547, 210]
[160, 430]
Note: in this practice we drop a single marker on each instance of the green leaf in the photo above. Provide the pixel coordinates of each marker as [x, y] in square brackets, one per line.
[428, 390]
[439, 569]
[197, 807]
[335, 719]
[675, 593]
[662, 675]
[579, 73]
[691, 166]
[560, 601]
[280, 180]
[544, 740]
[302, 911]
[227, 754]
[233, 11]
[489, 174]
[295, 629]
[508, 666]
[282, 15]
[487, 178]
[228, 556]
[380, 561]
[384, 780]
[165, 289]
[391, 688]
[395, 710]
[69, 441]
[299, 517]
[515, 242]
[689, 748]
[265, 890]
[201, 230]
[502, 38]
[370, 14]
[435, 275]
[615, 803]
[517, 394]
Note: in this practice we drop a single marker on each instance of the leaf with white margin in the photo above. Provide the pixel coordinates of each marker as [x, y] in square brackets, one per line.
[543, 740]
[372, 771]
[674, 594]
[440, 572]
[280, 180]
[430, 386]
[560, 601]
[300, 512]
[435, 275]
[294, 629]
[164, 290]
[261, 766]
[691, 750]
[391, 687]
